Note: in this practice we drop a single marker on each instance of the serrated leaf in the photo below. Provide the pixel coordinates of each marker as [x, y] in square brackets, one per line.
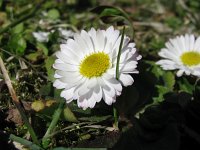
[162, 90]
[185, 86]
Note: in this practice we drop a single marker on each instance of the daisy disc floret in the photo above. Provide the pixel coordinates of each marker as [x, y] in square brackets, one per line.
[183, 54]
[86, 66]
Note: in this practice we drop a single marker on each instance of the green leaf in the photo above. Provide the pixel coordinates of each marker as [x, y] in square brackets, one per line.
[25, 142]
[17, 44]
[185, 86]
[69, 115]
[53, 14]
[18, 29]
[48, 65]
[42, 47]
[110, 11]
[34, 56]
[169, 80]
[162, 90]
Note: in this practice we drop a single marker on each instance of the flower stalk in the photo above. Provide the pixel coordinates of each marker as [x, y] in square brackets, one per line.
[117, 77]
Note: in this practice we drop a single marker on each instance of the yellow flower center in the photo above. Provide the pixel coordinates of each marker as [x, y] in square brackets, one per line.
[94, 65]
[190, 58]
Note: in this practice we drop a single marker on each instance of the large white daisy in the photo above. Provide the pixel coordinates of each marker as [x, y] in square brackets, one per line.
[182, 53]
[86, 66]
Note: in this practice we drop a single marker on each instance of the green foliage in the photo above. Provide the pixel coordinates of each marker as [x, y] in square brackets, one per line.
[26, 143]
[53, 14]
[186, 86]
[42, 47]
[69, 115]
[48, 65]
[115, 13]
[17, 44]
[173, 22]
[18, 29]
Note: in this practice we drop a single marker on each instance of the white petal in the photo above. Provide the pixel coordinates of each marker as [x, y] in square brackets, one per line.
[100, 41]
[68, 94]
[58, 84]
[62, 73]
[180, 73]
[108, 100]
[41, 36]
[97, 93]
[85, 36]
[65, 67]
[69, 59]
[70, 52]
[197, 44]
[192, 42]
[115, 83]
[68, 79]
[126, 79]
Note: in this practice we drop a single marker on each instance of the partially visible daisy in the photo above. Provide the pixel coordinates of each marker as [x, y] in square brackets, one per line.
[41, 36]
[66, 34]
[183, 54]
[86, 65]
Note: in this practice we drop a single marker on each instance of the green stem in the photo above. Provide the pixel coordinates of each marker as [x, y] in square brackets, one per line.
[119, 54]
[24, 142]
[117, 77]
[25, 17]
[115, 118]
[54, 122]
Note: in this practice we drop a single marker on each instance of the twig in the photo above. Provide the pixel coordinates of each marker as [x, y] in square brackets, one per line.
[67, 128]
[16, 101]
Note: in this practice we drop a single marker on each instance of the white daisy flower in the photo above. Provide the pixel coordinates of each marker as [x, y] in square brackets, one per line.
[41, 36]
[182, 53]
[86, 67]
[66, 33]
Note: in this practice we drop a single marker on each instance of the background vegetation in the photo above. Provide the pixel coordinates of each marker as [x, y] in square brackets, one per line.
[159, 111]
